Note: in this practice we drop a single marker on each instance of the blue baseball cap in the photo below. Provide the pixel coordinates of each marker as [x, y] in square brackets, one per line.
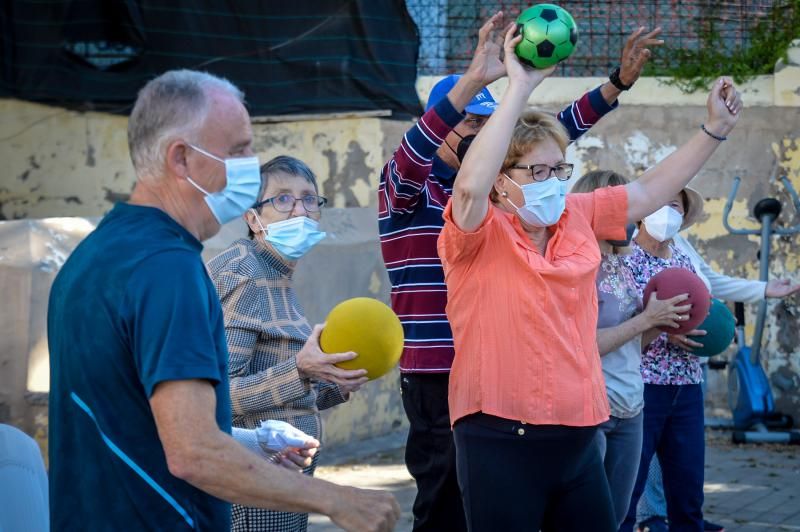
[481, 104]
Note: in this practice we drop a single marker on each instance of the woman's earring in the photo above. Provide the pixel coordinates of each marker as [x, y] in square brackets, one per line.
[504, 194]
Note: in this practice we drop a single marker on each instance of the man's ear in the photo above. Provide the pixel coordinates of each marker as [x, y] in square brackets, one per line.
[175, 160]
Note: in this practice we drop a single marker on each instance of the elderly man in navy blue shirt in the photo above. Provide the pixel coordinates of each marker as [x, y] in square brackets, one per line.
[140, 416]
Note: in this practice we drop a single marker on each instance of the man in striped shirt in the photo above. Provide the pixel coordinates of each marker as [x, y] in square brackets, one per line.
[415, 186]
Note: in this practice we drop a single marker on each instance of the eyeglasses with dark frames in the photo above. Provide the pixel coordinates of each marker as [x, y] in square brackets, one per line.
[286, 202]
[542, 172]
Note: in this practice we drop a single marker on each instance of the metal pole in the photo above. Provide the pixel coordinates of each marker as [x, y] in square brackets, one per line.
[766, 230]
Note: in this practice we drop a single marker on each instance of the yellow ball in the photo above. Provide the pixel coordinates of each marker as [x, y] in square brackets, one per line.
[369, 328]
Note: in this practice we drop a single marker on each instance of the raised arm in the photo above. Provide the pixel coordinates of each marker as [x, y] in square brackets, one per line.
[403, 177]
[635, 55]
[582, 114]
[198, 452]
[661, 182]
[486, 154]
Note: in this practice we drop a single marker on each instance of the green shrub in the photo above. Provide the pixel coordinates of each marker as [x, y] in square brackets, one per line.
[695, 69]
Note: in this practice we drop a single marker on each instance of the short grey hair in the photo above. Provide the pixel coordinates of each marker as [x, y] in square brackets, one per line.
[288, 165]
[283, 164]
[173, 105]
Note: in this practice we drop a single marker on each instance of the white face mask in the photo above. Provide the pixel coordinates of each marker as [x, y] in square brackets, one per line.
[664, 223]
[544, 201]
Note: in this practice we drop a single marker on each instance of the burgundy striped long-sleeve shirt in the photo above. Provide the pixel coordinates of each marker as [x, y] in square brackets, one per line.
[414, 188]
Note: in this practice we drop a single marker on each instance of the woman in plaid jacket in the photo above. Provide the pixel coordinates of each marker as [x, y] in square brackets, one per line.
[276, 368]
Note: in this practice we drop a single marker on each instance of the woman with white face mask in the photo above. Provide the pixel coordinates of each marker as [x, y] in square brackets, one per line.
[520, 258]
[276, 368]
[673, 376]
[673, 400]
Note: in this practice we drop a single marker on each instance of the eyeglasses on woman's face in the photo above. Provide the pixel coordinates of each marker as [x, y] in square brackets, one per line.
[285, 202]
[543, 172]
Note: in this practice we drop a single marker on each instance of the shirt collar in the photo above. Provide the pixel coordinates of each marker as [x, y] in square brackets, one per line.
[183, 233]
[272, 258]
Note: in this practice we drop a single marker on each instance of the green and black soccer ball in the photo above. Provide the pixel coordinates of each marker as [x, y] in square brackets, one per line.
[549, 35]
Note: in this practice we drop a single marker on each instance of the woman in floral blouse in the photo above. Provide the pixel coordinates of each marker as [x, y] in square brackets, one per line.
[673, 411]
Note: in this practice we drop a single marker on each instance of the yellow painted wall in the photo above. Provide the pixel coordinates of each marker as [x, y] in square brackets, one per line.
[66, 163]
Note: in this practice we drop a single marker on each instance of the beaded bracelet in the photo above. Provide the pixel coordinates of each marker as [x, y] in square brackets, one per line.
[710, 134]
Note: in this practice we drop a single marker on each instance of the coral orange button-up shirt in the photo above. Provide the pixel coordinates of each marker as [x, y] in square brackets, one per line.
[525, 325]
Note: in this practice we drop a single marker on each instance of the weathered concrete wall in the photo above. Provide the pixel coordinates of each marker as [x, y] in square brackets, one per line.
[766, 142]
[346, 264]
[63, 163]
[31, 252]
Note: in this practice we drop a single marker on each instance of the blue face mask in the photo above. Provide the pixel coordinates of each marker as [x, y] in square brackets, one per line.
[294, 237]
[544, 201]
[241, 191]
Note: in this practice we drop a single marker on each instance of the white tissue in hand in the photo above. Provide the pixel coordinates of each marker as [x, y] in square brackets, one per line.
[276, 436]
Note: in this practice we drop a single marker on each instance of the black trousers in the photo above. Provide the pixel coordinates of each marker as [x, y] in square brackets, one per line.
[431, 454]
[531, 477]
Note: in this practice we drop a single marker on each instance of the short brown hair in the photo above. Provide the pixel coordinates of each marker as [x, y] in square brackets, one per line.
[595, 179]
[532, 128]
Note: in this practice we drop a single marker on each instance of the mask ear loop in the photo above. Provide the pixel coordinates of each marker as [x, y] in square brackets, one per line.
[451, 148]
[258, 220]
[505, 194]
[198, 187]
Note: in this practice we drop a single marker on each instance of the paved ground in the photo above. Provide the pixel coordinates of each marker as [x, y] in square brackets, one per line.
[748, 488]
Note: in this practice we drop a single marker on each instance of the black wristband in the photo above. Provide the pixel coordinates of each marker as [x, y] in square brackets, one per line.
[710, 134]
[614, 79]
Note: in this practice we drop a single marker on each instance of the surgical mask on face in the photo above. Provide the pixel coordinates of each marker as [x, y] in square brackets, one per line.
[544, 201]
[463, 146]
[664, 223]
[292, 238]
[629, 229]
[241, 190]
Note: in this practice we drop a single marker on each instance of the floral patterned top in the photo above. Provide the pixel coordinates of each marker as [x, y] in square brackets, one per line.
[663, 363]
[618, 301]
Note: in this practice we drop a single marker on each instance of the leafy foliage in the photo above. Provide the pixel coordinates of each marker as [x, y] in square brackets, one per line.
[695, 69]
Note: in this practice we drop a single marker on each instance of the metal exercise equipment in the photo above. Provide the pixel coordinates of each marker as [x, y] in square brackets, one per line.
[755, 419]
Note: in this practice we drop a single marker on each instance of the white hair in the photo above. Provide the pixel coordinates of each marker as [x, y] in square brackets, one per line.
[173, 105]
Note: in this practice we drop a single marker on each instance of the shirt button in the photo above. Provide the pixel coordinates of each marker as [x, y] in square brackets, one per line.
[521, 431]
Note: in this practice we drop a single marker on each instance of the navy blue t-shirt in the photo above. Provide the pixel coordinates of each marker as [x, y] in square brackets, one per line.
[133, 306]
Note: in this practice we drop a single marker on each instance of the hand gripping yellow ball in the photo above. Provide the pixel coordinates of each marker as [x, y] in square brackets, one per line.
[369, 328]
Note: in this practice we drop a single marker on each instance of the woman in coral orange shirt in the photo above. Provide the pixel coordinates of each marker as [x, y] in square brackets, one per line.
[520, 259]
